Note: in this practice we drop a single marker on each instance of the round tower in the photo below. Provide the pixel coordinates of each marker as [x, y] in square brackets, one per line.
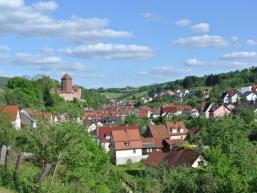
[67, 83]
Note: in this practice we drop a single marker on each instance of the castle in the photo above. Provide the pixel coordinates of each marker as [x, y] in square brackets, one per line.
[67, 91]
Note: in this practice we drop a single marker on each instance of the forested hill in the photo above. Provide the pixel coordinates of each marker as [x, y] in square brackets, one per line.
[41, 94]
[223, 81]
[3, 81]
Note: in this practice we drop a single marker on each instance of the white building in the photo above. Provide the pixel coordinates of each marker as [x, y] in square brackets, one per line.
[126, 146]
[229, 97]
[249, 96]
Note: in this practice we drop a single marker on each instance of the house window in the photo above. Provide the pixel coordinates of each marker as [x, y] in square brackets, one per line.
[174, 130]
[134, 151]
[126, 143]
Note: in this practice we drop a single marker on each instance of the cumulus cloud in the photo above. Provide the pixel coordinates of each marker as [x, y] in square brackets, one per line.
[46, 63]
[239, 55]
[47, 50]
[201, 28]
[3, 52]
[166, 71]
[183, 22]
[194, 62]
[203, 41]
[45, 6]
[4, 48]
[150, 16]
[26, 20]
[109, 51]
[251, 42]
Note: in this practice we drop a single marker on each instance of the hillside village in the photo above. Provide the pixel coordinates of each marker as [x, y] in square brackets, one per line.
[134, 132]
[128, 143]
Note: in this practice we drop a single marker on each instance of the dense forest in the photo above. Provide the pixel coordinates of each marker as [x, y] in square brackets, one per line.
[212, 82]
[222, 81]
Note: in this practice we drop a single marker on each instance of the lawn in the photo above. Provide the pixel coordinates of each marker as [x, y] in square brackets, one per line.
[131, 169]
[112, 94]
[4, 190]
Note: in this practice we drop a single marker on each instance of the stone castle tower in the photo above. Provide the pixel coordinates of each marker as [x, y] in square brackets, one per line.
[67, 91]
[67, 83]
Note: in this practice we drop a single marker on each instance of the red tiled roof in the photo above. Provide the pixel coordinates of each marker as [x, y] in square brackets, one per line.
[156, 111]
[164, 131]
[106, 131]
[147, 139]
[154, 158]
[11, 110]
[254, 87]
[44, 115]
[175, 124]
[184, 108]
[126, 139]
[176, 157]
[143, 112]
[171, 109]
[158, 132]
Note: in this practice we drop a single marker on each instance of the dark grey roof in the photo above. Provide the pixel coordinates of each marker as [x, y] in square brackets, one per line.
[245, 94]
[148, 145]
[244, 105]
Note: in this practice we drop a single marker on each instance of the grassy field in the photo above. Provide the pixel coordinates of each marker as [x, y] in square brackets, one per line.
[112, 94]
[4, 190]
[128, 95]
[131, 169]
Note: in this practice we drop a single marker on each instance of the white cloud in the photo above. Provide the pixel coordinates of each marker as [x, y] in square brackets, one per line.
[4, 48]
[46, 63]
[239, 55]
[203, 41]
[234, 38]
[193, 62]
[166, 71]
[183, 22]
[109, 51]
[151, 17]
[25, 20]
[251, 42]
[45, 6]
[2, 56]
[201, 28]
[3, 52]
[47, 50]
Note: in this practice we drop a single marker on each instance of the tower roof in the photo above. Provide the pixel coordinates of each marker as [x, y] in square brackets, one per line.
[66, 77]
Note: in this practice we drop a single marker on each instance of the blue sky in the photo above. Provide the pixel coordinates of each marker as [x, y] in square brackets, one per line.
[115, 43]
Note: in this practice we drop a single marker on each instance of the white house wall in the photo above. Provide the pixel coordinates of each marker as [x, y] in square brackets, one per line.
[123, 156]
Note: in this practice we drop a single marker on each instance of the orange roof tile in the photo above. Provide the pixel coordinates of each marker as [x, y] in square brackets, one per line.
[126, 139]
[11, 110]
